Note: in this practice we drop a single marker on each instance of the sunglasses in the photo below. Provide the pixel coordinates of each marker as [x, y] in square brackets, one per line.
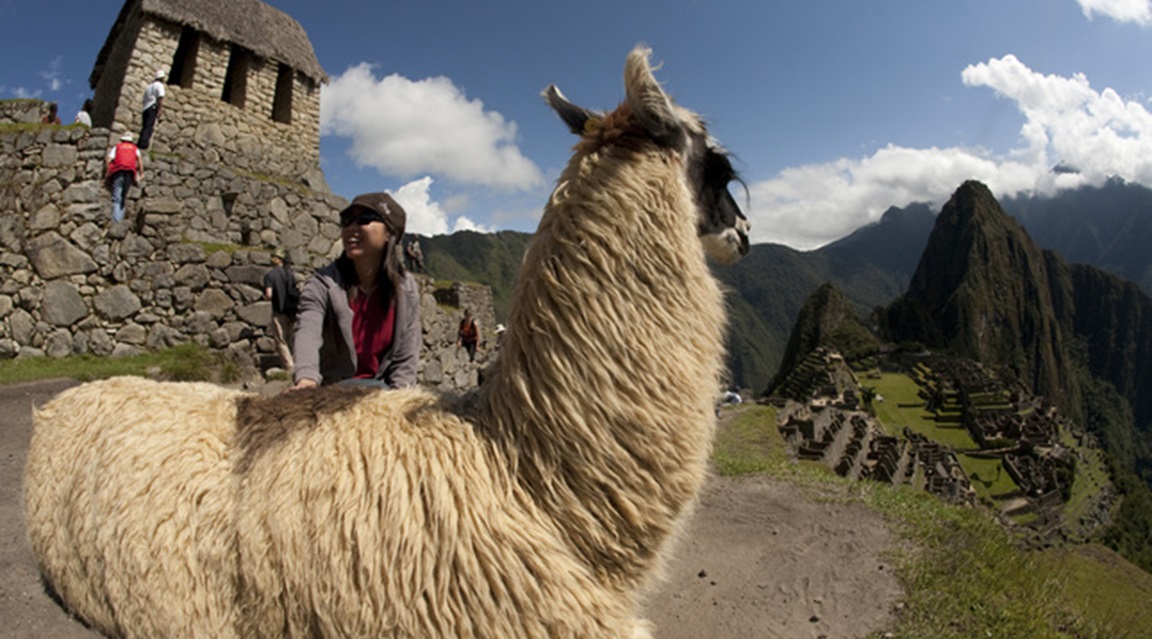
[360, 218]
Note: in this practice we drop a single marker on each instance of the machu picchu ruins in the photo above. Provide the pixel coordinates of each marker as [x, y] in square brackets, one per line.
[825, 412]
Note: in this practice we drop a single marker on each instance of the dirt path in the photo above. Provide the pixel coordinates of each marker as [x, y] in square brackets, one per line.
[760, 560]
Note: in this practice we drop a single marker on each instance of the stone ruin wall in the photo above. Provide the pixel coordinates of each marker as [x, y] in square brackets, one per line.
[196, 125]
[185, 266]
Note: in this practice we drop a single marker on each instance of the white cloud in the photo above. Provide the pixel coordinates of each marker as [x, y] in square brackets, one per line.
[808, 206]
[21, 93]
[426, 216]
[52, 74]
[406, 128]
[1100, 134]
[1138, 11]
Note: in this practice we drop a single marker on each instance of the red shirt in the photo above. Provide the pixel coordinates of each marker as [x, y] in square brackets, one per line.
[123, 158]
[372, 327]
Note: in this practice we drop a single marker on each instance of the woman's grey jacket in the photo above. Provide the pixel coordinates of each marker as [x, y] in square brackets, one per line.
[323, 339]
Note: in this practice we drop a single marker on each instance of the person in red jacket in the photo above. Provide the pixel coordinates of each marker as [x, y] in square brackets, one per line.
[468, 335]
[124, 169]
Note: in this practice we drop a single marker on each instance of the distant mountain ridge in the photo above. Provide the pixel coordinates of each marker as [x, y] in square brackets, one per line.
[1106, 226]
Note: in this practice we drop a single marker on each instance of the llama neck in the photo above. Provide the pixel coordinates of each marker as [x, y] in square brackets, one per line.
[604, 390]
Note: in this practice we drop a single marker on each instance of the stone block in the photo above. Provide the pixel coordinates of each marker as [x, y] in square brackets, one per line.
[117, 303]
[53, 256]
[258, 314]
[48, 217]
[58, 344]
[194, 276]
[161, 206]
[57, 155]
[246, 274]
[62, 304]
[186, 252]
[215, 303]
[132, 334]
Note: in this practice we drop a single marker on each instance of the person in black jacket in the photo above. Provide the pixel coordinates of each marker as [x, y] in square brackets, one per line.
[280, 289]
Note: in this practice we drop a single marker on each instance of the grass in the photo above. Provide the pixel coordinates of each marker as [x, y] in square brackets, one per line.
[744, 446]
[964, 575]
[1096, 578]
[187, 362]
[988, 476]
[900, 390]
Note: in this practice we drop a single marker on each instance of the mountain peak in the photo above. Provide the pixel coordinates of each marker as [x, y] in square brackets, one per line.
[982, 291]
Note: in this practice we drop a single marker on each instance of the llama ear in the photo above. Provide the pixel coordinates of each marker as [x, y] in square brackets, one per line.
[574, 116]
[649, 102]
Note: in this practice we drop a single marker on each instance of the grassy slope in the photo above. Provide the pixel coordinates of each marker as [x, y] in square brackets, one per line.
[964, 575]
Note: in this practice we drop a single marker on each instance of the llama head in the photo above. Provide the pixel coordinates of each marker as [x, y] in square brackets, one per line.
[707, 170]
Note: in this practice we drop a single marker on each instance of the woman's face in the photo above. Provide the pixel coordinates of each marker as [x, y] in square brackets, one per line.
[364, 235]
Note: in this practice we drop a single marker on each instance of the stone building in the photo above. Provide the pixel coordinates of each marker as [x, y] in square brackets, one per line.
[243, 84]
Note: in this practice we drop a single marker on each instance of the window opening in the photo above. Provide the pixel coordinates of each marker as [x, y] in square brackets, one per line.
[282, 103]
[236, 77]
[184, 61]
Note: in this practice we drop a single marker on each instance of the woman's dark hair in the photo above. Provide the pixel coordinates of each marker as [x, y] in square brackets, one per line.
[391, 266]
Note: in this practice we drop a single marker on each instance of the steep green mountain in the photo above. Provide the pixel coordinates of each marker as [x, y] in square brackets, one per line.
[982, 290]
[468, 256]
[871, 267]
[827, 319]
[1073, 333]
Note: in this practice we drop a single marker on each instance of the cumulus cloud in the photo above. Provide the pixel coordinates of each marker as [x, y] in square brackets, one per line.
[806, 207]
[1137, 11]
[20, 92]
[1067, 122]
[425, 215]
[1099, 133]
[406, 128]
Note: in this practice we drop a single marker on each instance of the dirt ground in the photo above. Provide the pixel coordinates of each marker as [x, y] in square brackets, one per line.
[760, 559]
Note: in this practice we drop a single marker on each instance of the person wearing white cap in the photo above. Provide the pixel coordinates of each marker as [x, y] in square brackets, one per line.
[153, 100]
[125, 167]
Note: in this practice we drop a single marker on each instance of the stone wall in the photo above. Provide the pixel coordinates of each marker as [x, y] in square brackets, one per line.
[185, 266]
[22, 111]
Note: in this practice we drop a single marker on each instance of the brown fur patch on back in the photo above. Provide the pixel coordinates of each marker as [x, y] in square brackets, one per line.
[264, 422]
[618, 128]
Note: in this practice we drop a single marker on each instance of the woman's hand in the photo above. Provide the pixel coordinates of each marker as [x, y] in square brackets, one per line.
[304, 383]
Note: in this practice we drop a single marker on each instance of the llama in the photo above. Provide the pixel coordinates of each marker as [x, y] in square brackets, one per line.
[540, 506]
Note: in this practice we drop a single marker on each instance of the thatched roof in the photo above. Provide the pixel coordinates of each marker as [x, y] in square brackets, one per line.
[254, 25]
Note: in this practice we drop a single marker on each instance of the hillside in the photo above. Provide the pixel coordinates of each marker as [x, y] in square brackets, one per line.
[1109, 227]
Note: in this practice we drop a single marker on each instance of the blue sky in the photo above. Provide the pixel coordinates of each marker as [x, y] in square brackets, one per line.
[835, 110]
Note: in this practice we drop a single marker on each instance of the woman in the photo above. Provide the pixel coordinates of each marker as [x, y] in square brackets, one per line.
[359, 317]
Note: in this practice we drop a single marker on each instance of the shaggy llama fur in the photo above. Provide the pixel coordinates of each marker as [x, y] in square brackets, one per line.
[541, 507]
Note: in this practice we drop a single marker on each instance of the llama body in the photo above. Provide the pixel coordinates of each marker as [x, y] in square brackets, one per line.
[544, 509]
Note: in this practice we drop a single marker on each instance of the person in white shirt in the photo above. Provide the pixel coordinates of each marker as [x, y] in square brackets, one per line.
[153, 100]
[84, 116]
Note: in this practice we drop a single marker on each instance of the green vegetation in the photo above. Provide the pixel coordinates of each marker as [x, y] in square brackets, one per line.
[988, 476]
[963, 574]
[744, 446]
[187, 362]
[1096, 578]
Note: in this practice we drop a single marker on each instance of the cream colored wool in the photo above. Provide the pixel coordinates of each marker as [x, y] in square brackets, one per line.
[543, 510]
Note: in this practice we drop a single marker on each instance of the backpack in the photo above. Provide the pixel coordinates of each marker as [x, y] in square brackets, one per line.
[292, 301]
[468, 331]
